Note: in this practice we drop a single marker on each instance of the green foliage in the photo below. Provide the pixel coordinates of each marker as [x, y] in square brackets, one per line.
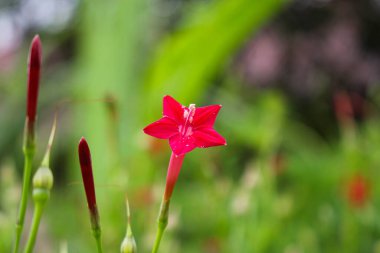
[277, 187]
[187, 59]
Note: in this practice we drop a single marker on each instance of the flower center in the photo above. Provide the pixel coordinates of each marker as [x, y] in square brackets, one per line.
[188, 114]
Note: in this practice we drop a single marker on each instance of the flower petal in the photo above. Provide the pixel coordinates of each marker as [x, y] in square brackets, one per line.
[173, 109]
[163, 128]
[208, 137]
[181, 145]
[205, 116]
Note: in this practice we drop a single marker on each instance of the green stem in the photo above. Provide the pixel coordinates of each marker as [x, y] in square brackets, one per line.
[38, 210]
[156, 245]
[97, 236]
[28, 159]
[162, 222]
[99, 245]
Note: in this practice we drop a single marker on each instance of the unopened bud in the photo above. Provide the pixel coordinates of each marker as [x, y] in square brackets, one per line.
[43, 179]
[128, 245]
[88, 182]
[34, 68]
[42, 183]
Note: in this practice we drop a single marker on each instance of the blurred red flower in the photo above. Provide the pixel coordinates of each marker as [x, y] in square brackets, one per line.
[358, 190]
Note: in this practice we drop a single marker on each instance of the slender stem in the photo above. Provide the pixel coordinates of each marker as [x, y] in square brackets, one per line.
[97, 236]
[156, 245]
[28, 158]
[162, 222]
[38, 210]
[99, 245]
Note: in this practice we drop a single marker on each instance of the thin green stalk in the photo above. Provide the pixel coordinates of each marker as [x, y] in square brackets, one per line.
[38, 210]
[97, 235]
[28, 159]
[157, 241]
[99, 245]
[162, 222]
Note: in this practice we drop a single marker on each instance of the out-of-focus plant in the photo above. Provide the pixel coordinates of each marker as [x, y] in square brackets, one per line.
[187, 59]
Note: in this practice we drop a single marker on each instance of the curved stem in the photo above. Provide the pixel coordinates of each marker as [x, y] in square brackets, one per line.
[38, 210]
[28, 154]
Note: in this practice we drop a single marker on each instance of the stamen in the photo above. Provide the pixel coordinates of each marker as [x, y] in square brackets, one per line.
[191, 112]
[188, 114]
[185, 113]
[189, 131]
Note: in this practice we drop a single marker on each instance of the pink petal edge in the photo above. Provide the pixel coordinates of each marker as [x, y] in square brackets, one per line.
[208, 137]
[172, 109]
[163, 128]
[205, 116]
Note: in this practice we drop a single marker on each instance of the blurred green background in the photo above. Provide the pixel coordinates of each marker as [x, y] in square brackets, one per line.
[299, 85]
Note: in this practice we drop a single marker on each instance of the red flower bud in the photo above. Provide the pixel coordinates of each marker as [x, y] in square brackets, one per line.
[88, 179]
[34, 69]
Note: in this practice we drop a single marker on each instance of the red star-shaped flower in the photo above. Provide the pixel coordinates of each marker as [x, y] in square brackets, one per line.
[186, 127]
